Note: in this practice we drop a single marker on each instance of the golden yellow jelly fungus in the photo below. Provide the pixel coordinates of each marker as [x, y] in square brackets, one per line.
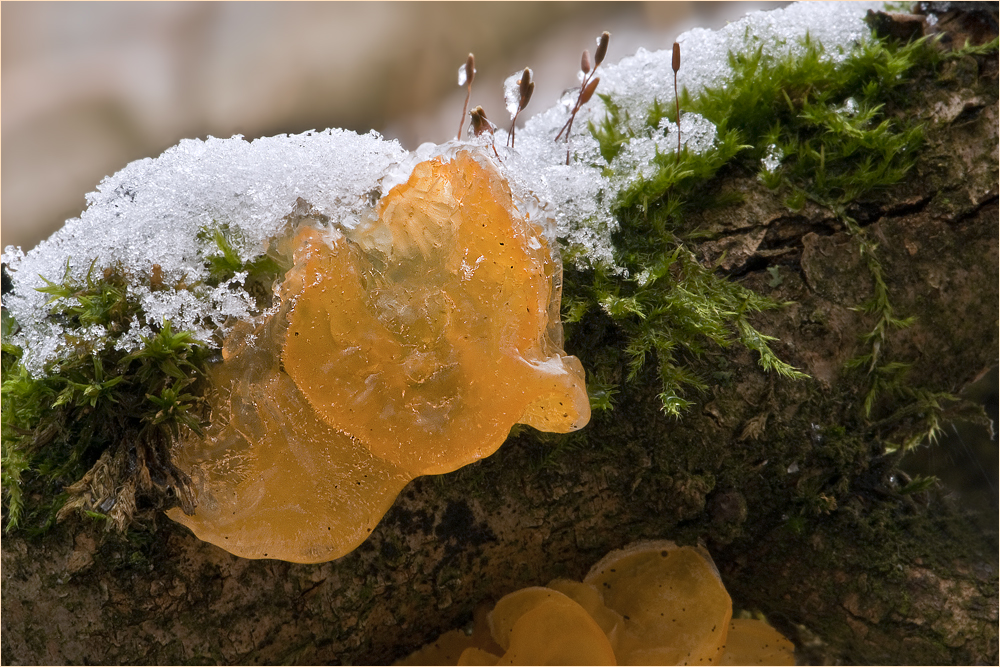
[271, 479]
[541, 626]
[511, 607]
[675, 607]
[590, 598]
[753, 642]
[428, 336]
[476, 656]
[482, 634]
[407, 346]
[456, 647]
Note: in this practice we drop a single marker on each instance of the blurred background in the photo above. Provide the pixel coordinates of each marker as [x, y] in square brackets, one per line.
[86, 87]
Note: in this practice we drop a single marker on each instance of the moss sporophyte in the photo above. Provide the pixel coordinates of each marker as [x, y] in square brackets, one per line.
[93, 417]
[824, 119]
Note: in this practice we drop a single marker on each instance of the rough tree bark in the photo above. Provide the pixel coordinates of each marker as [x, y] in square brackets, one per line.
[783, 480]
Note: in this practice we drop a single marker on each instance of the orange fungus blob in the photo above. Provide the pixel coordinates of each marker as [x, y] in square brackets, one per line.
[675, 607]
[542, 626]
[407, 346]
[753, 642]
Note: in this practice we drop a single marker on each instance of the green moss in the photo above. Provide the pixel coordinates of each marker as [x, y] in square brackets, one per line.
[93, 431]
[223, 263]
[671, 310]
[94, 404]
[811, 130]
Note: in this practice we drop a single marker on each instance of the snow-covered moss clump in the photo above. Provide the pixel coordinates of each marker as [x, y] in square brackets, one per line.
[155, 212]
[580, 195]
[154, 217]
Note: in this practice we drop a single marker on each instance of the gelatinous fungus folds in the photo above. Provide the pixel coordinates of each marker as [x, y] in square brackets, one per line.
[409, 345]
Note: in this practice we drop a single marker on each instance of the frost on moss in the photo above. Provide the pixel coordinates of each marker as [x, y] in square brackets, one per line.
[150, 220]
[811, 127]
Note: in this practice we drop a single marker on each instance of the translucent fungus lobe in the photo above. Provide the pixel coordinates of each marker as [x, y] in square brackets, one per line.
[753, 642]
[407, 346]
[592, 601]
[431, 333]
[541, 626]
[675, 607]
[271, 479]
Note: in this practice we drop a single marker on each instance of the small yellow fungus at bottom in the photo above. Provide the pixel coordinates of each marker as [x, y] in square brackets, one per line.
[589, 598]
[541, 626]
[477, 656]
[753, 642]
[675, 607]
[649, 603]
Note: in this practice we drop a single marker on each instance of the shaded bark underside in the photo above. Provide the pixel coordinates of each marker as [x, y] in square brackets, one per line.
[859, 573]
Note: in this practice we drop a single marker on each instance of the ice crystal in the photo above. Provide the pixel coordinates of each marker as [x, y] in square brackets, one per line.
[773, 158]
[850, 107]
[512, 92]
